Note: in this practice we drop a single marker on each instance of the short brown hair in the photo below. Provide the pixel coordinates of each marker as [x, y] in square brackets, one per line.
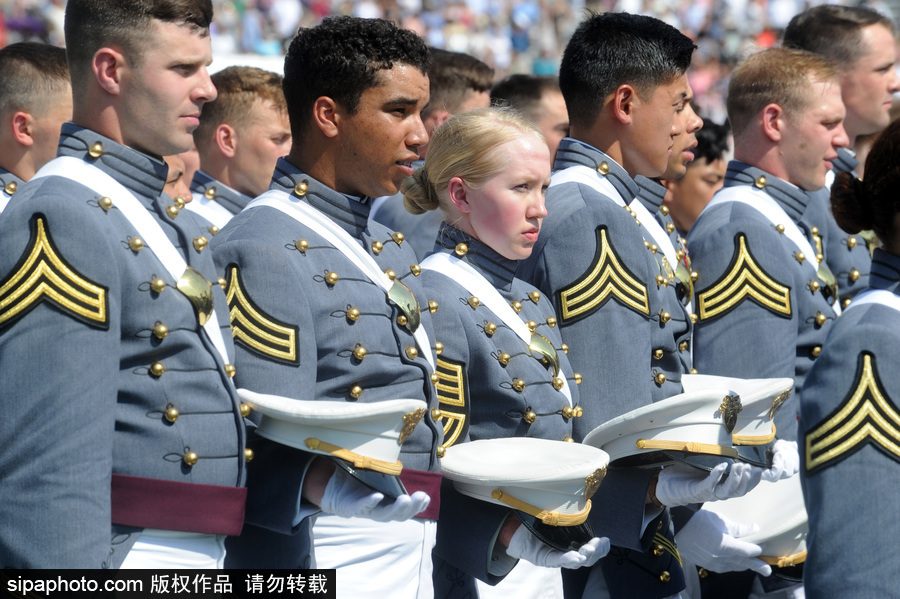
[774, 76]
[451, 77]
[833, 31]
[31, 75]
[239, 88]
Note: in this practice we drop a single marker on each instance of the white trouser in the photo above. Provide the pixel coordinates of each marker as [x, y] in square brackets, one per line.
[376, 559]
[525, 581]
[170, 549]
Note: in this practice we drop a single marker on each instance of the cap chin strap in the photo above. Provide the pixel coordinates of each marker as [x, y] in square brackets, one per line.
[689, 446]
[549, 518]
[785, 562]
[359, 461]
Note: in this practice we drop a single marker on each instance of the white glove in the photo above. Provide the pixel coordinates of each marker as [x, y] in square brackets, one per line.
[785, 461]
[347, 497]
[524, 545]
[682, 485]
[712, 541]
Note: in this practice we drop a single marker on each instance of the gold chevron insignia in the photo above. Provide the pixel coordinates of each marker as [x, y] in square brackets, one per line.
[451, 390]
[663, 544]
[606, 278]
[745, 279]
[256, 330]
[42, 275]
[867, 416]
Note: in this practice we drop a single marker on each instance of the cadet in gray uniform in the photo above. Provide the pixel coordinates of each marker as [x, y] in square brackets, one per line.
[35, 100]
[115, 372]
[241, 136]
[311, 315]
[860, 44]
[850, 415]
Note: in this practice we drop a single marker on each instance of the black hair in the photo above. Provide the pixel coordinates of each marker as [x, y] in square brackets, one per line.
[712, 141]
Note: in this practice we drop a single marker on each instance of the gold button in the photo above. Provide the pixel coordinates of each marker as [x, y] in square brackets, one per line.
[157, 369]
[603, 168]
[534, 296]
[435, 379]
[565, 348]
[104, 202]
[816, 351]
[230, 370]
[248, 455]
[551, 321]
[660, 280]
[578, 412]
[438, 347]
[391, 274]
[200, 243]
[851, 242]
[800, 257]
[664, 210]
[210, 193]
[664, 317]
[377, 246]
[432, 306]
[436, 414]
[577, 378]
[359, 353]
[814, 230]
[11, 188]
[461, 249]
[352, 314]
[679, 254]
[503, 358]
[190, 458]
[654, 248]
[568, 439]
[820, 257]
[302, 245]
[530, 417]
[96, 150]
[172, 414]
[657, 354]
[160, 331]
[172, 211]
[558, 384]
[567, 412]
[412, 353]
[213, 230]
[660, 378]
[693, 371]
[517, 306]
[694, 318]
[845, 303]
[473, 301]
[519, 385]
[683, 346]
[820, 318]
[355, 391]
[179, 201]
[301, 188]
[331, 277]
[532, 325]
[135, 243]
[694, 276]
[760, 182]
[702, 572]
[779, 228]
[665, 576]
[245, 410]
[658, 550]
[490, 328]
[813, 286]
[402, 320]
[853, 276]
[222, 283]
[415, 269]
[398, 237]
[157, 285]
[440, 452]
[646, 244]
[670, 228]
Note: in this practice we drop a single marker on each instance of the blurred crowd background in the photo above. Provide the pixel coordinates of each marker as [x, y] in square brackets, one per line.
[513, 36]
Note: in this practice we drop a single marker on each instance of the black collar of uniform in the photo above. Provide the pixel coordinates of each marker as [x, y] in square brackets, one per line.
[651, 193]
[142, 174]
[230, 199]
[572, 152]
[499, 271]
[350, 213]
[846, 161]
[7, 178]
[790, 197]
[885, 272]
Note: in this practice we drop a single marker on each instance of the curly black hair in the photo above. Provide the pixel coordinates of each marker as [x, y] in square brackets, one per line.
[340, 59]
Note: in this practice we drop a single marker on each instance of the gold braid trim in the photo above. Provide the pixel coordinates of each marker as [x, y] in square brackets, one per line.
[359, 461]
[689, 446]
[785, 562]
[549, 518]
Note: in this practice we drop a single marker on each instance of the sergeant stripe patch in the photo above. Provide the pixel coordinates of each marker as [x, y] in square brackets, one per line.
[867, 416]
[451, 391]
[745, 279]
[42, 275]
[256, 330]
[606, 278]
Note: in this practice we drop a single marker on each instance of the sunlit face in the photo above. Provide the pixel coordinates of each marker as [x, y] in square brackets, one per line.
[688, 196]
[811, 138]
[382, 138]
[553, 119]
[689, 123]
[263, 138]
[654, 128]
[868, 85]
[506, 211]
[47, 125]
[163, 93]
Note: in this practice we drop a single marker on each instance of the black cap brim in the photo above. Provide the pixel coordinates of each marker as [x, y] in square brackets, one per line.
[387, 484]
[561, 538]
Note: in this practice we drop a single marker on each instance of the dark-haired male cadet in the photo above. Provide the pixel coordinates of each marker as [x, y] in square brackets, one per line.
[624, 82]
[538, 98]
[35, 100]
[124, 441]
[859, 42]
[326, 305]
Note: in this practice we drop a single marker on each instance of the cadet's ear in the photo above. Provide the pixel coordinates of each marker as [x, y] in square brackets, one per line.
[107, 65]
[457, 190]
[327, 115]
[226, 140]
[23, 128]
[773, 122]
[623, 100]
